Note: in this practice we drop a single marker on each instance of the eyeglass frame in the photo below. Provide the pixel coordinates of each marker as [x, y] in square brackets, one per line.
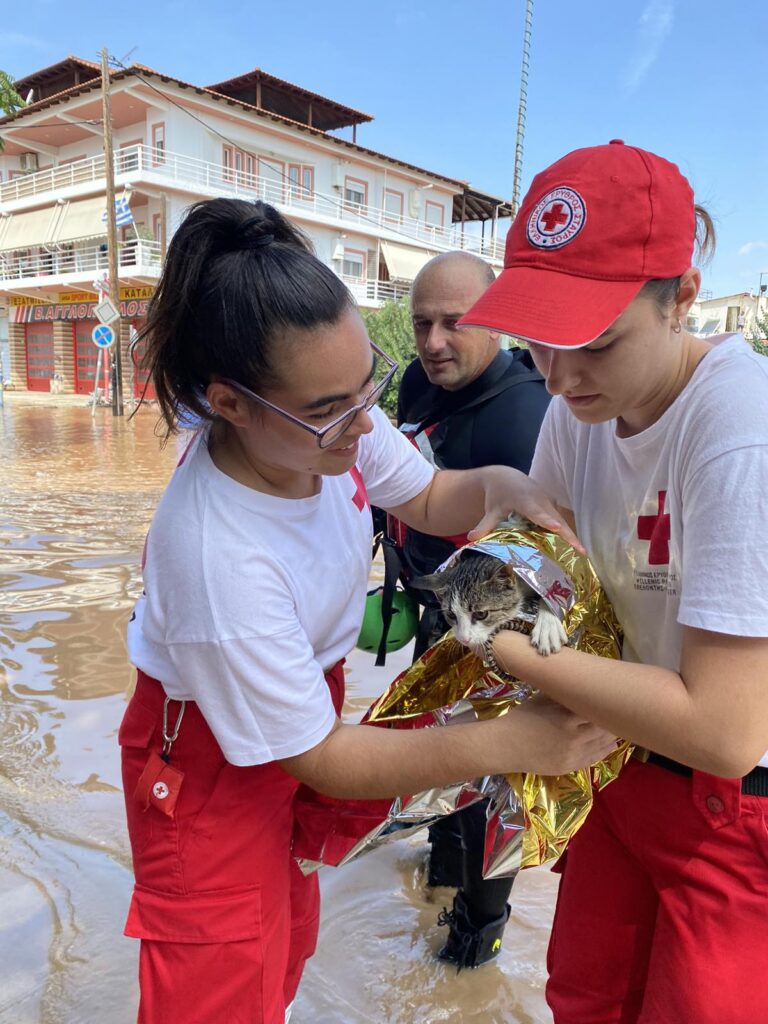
[351, 413]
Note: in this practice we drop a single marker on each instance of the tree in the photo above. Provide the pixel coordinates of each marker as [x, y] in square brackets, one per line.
[390, 328]
[759, 337]
[10, 101]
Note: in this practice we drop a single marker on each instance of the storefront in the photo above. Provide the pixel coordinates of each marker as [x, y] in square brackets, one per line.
[39, 349]
[58, 345]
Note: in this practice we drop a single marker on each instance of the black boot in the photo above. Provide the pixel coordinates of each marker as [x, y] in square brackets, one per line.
[446, 857]
[467, 945]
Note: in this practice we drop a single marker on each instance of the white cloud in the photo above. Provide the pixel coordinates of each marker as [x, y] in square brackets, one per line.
[655, 24]
[745, 250]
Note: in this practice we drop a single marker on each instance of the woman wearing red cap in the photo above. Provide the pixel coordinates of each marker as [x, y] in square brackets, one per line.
[656, 448]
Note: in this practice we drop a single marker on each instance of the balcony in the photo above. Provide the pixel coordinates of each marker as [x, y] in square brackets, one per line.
[374, 293]
[138, 260]
[201, 178]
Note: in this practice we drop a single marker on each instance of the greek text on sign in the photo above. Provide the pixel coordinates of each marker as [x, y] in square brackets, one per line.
[106, 312]
[103, 336]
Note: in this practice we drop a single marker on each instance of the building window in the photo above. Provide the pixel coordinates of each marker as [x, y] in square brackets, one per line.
[355, 193]
[353, 265]
[393, 205]
[228, 162]
[158, 144]
[434, 214]
[128, 157]
[301, 181]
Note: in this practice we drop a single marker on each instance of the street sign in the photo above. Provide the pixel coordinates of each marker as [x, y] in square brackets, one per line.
[103, 336]
[106, 312]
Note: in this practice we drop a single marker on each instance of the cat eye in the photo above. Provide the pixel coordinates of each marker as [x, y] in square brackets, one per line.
[450, 617]
[479, 616]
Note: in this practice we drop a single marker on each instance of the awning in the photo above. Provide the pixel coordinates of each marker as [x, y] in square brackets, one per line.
[27, 229]
[403, 261]
[81, 220]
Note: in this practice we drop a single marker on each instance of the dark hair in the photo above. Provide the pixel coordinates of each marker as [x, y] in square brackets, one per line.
[237, 275]
[664, 291]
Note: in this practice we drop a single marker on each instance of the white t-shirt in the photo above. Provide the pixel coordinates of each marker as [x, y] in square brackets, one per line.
[674, 518]
[250, 598]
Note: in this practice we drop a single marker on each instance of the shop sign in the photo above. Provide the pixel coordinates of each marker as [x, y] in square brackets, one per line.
[131, 309]
[78, 298]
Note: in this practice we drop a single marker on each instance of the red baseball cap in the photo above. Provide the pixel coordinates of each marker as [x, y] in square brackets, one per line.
[592, 230]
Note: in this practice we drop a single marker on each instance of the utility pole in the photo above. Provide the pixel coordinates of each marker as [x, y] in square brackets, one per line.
[522, 108]
[114, 281]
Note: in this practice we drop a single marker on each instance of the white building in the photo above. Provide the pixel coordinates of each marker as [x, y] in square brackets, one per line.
[373, 218]
[728, 313]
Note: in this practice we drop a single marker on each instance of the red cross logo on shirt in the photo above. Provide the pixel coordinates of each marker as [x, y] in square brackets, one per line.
[554, 217]
[656, 529]
[360, 497]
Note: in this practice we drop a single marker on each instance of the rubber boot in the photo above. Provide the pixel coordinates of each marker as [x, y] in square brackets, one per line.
[446, 856]
[467, 945]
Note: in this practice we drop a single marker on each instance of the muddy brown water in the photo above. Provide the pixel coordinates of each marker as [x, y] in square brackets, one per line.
[76, 497]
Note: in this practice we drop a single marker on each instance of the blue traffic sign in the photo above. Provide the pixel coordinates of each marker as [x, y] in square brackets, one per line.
[103, 336]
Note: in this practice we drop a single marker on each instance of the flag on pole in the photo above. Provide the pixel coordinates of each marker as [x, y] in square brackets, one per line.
[123, 214]
[101, 283]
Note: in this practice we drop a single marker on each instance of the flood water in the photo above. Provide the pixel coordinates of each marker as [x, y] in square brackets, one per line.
[76, 499]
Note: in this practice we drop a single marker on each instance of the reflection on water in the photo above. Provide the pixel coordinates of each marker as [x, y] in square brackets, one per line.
[77, 497]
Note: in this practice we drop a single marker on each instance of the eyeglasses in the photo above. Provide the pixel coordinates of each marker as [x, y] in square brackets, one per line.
[332, 431]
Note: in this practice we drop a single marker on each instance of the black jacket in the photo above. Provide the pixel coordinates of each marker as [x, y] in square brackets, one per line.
[495, 420]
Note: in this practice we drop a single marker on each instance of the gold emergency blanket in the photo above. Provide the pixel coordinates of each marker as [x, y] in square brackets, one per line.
[530, 817]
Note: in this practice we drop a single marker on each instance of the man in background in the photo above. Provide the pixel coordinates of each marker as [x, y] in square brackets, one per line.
[464, 403]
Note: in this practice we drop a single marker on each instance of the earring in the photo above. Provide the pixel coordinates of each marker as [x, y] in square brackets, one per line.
[679, 327]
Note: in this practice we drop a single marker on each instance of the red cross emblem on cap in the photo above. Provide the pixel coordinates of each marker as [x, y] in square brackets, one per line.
[556, 219]
[553, 216]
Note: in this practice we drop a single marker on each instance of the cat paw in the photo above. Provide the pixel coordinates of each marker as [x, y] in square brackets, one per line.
[548, 635]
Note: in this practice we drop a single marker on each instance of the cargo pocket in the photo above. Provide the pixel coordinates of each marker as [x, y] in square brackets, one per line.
[197, 918]
[138, 726]
[136, 737]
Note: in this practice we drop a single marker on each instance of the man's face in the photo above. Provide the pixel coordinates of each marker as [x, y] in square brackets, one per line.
[452, 356]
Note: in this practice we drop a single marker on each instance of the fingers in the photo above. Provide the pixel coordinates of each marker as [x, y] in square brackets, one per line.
[546, 515]
[488, 523]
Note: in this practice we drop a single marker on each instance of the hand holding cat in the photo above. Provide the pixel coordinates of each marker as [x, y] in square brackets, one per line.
[508, 491]
[556, 740]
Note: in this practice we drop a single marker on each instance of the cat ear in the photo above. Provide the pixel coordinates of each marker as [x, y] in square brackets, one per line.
[437, 582]
[505, 573]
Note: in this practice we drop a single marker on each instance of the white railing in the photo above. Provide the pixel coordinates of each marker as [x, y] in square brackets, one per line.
[202, 177]
[372, 291]
[143, 257]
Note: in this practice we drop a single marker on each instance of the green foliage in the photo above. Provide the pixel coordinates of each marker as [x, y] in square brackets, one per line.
[10, 101]
[390, 328]
[759, 339]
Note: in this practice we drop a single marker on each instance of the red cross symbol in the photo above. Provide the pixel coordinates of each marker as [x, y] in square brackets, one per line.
[656, 530]
[554, 217]
[557, 590]
[360, 497]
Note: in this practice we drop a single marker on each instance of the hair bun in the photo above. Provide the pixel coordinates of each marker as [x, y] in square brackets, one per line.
[248, 238]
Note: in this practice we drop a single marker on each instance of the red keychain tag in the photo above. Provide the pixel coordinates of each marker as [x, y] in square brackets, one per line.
[159, 785]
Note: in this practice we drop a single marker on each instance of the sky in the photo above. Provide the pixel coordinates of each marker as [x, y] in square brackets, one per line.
[683, 78]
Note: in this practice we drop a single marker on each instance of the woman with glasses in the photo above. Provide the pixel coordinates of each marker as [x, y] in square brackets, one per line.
[255, 575]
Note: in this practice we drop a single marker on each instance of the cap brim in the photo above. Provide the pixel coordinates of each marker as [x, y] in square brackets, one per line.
[550, 308]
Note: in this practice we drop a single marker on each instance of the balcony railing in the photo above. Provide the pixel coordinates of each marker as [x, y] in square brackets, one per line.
[201, 177]
[141, 257]
[372, 292]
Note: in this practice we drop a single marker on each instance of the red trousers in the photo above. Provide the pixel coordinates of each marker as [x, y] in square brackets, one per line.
[662, 915]
[225, 917]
